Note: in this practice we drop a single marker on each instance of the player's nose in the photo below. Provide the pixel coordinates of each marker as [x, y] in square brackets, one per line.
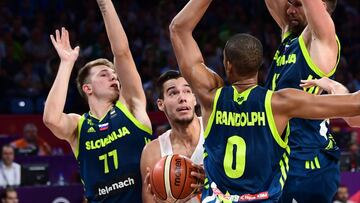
[182, 98]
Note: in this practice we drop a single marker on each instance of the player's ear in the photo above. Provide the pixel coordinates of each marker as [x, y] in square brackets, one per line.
[87, 88]
[228, 67]
[160, 104]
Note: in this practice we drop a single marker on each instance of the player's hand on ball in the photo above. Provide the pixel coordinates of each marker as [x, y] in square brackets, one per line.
[200, 175]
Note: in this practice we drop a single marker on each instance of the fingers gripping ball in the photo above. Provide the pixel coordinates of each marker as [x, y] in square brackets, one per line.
[171, 178]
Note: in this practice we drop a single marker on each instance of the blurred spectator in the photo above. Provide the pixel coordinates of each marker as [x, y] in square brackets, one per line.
[37, 47]
[9, 170]
[342, 195]
[9, 195]
[31, 143]
[354, 157]
[28, 81]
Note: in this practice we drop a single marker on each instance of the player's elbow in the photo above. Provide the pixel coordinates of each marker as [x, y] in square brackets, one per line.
[175, 27]
[50, 118]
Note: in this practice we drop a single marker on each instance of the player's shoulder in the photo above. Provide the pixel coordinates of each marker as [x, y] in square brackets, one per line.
[152, 147]
[151, 153]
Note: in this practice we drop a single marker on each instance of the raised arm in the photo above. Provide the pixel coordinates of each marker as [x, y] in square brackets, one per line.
[320, 36]
[277, 9]
[319, 20]
[293, 103]
[333, 87]
[62, 125]
[203, 81]
[131, 86]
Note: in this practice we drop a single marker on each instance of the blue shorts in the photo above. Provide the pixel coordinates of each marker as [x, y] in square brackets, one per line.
[313, 184]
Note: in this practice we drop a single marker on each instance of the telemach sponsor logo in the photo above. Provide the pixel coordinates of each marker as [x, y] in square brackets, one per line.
[116, 186]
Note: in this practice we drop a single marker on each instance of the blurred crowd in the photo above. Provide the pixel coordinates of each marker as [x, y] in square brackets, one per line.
[28, 62]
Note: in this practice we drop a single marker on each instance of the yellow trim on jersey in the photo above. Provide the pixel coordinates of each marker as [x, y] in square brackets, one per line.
[245, 94]
[129, 115]
[212, 115]
[286, 161]
[286, 138]
[285, 35]
[80, 124]
[317, 163]
[271, 121]
[310, 62]
[205, 154]
[283, 169]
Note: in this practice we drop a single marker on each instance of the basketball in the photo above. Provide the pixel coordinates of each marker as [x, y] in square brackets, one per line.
[171, 178]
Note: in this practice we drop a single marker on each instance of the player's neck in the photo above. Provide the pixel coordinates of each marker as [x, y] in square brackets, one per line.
[244, 84]
[188, 133]
[99, 108]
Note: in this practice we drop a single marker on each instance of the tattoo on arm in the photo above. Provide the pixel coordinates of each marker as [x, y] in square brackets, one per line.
[102, 6]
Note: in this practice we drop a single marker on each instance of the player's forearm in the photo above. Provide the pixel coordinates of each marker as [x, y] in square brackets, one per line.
[277, 9]
[337, 106]
[114, 29]
[338, 88]
[353, 121]
[55, 102]
[187, 19]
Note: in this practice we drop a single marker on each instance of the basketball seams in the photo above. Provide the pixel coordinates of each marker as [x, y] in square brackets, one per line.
[155, 190]
[186, 171]
[172, 176]
[167, 179]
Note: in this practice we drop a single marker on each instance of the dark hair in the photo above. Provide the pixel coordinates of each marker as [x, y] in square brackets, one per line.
[6, 191]
[330, 5]
[82, 76]
[6, 146]
[168, 75]
[245, 53]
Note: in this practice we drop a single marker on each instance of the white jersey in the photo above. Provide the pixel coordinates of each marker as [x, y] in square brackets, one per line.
[196, 157]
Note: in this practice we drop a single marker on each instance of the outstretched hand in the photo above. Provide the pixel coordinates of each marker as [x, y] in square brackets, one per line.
[323, 83]
[63, 47]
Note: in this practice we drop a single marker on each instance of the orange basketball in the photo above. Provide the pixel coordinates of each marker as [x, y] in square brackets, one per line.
[171, 178]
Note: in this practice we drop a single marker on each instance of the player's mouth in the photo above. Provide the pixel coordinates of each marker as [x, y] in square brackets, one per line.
[115, 86]
[294, 21]
[183, 109]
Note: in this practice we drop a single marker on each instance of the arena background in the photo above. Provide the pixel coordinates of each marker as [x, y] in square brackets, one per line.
[28, 65]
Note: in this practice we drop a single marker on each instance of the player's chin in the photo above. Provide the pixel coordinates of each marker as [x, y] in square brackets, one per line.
[296, 28]
[115, 97]
[185, 118]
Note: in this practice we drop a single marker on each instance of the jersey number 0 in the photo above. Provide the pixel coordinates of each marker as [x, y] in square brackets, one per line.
[235, 155]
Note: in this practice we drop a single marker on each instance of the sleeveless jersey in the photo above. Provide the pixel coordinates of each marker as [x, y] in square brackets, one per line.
[291, 64]
[196, 157]
[109, 155]
[245, 157]
[166, 147]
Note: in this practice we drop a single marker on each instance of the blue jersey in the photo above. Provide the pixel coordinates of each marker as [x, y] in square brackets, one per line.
[308, 138]
[109, 152]
[245, 157]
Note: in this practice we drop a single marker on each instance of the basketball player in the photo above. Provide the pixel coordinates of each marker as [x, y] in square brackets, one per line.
[246, 158]
[309, 49]
[332, 87]
[185, 137]
[108, 140]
